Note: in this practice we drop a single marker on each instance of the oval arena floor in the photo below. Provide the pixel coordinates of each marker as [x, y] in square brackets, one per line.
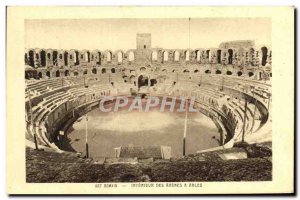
[154, 128]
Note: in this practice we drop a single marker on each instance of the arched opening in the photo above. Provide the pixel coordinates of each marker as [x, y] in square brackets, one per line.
[66, 58]
[67, 73]
[99, 58]
[187, 55]
[219, 56]
[165, 56]
[120, 57]
[31, 58]
[57, 74]
[142, 69]
[85, 72]
[228, 73]
[94, 71]
[271, 75]
[109, 55]
[154, 55]
[60, 56]
[164, 70]
[186, 71]
[207, 71]
[49, 56]
[76, 58]
[132, 79]
[54, 57]
[87, 56]
[208, 56]
[176, 56]
[131, 56]
[218, 72]
[196, 71]
[250, 74]
[142, 81]
[153, 82]
[264, 52]
[103, 70]
[40, 75]
[43, 58]
[75, 73]
[113, 70]
[240, 73]
[252, 54]
[198, 56]
[230, 55]
[48, 74]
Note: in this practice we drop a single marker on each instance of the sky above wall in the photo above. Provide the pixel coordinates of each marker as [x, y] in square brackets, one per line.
[116, 34]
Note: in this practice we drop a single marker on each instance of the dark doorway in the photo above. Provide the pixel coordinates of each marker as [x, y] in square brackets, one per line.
[57, 74]
[230, 52]
[142, 81]
[43, 58]
[264, 52]
[66, 58]
[219, 56]
[153, 82]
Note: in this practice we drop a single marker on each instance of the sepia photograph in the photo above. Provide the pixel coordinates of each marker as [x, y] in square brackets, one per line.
[148, 102]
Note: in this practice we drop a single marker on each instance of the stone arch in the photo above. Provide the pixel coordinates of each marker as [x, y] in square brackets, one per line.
[31, 58]
[208, 55]
[120, 57]
[228, 73]
[40, 75]
[103, 70]
[154, 55]
[85, 72]
[57, 73]
[198, 55]
[250, 74]
[94, 71]
[165, 56]
[55, 53]
[76, 57]
[108, 56]
[218, 72]
[219, 53]
[87, 56]
[264, 57]
[230, 56]
[207, 71]
[176, 56]
[67, 73]
[48, 74]
[196, 71]
[113, 70]
[66, 55]
[43, 58]
[252, 56]
[131, 56]
[75, 73]
[187, 55]
[240, 73]
[142, 81]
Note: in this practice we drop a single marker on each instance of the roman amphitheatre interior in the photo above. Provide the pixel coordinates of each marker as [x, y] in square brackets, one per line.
[229, 138]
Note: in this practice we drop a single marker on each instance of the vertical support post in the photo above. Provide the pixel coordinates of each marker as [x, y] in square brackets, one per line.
[185, 127]
[244, 121]
[86, 137]
[253, 115]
